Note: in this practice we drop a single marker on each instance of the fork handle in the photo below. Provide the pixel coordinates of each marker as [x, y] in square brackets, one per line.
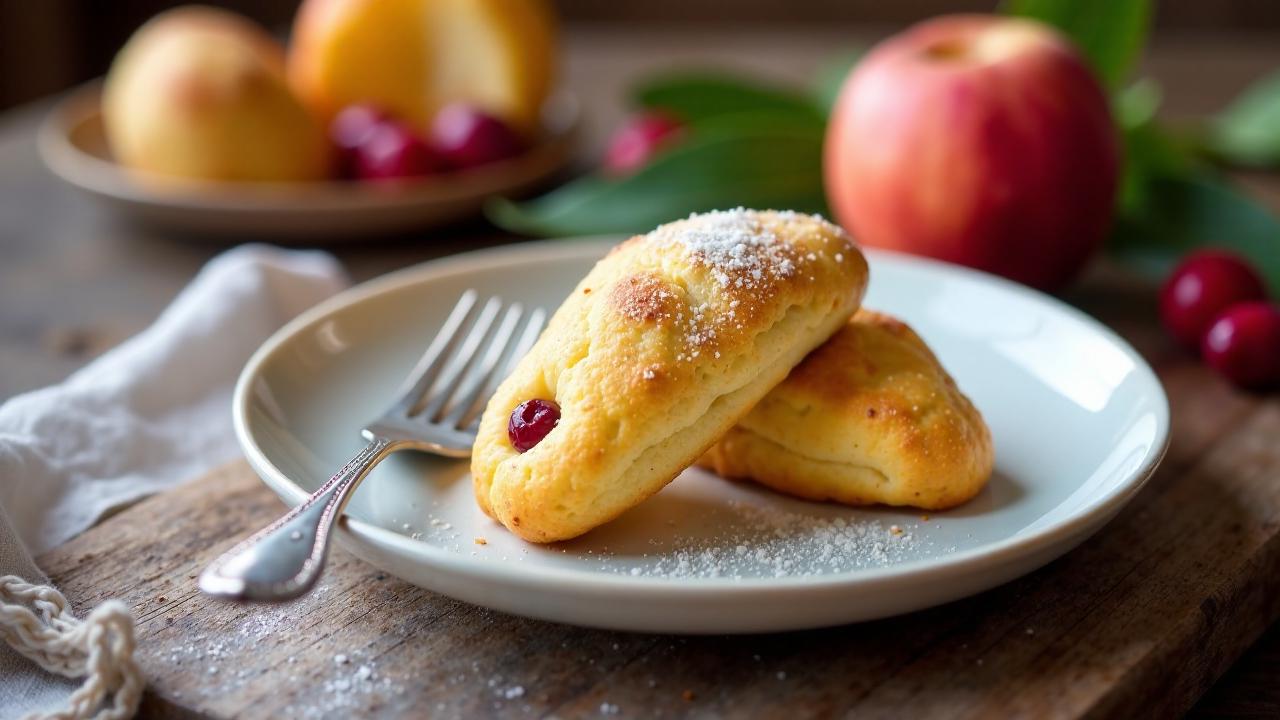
[283, 560]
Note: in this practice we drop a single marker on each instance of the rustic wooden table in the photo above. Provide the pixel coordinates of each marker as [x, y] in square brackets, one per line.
[75, 280]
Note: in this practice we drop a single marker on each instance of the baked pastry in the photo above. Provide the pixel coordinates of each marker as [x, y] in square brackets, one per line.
[665, 344]
[871, 417]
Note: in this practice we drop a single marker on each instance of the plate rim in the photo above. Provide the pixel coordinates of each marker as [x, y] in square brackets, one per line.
[1010, 549]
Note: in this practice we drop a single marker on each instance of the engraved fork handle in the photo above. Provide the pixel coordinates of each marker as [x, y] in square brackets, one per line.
[283, 560]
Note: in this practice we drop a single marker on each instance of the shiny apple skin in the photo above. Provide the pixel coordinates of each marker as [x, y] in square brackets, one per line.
[978, 140]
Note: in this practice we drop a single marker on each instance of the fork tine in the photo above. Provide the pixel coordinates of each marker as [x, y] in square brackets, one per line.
[532, 330]
[428, 366]
[466, 395]
[442, 390]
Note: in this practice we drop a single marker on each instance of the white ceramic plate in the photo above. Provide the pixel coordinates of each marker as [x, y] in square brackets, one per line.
[73, 145]
[1080, 422]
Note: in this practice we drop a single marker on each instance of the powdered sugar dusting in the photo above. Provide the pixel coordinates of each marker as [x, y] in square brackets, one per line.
[736, 247]
[741, 254]
[767, 541]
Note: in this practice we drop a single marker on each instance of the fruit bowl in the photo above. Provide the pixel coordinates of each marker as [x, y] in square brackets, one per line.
[73, 145]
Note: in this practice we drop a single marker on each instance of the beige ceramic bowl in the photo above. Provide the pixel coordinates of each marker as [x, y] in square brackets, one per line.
[73, 145]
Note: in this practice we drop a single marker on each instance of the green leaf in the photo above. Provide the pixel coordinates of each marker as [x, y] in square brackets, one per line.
[831, 76]
[1110, 33]
[1137, 104]
[1172, 201]
[697, 97]
[759, 121]
[1151, 150]
[1185, 213]
[1248, 132]
[1152, 153]
[776, 167]
[1149, 153]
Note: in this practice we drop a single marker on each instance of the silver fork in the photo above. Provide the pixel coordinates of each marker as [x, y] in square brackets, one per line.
[438, 411]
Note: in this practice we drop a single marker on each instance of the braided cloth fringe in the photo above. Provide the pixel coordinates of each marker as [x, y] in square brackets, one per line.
[36, 621]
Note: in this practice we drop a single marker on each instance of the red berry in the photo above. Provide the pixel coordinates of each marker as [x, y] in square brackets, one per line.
[638, 140]
[467, 136]
[1203, 285]
[354, 124]
[350, 128]
[392, 152]
[1243, 344]
[530, 422]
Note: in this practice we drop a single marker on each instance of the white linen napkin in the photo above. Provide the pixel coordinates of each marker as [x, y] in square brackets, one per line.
[149, 414]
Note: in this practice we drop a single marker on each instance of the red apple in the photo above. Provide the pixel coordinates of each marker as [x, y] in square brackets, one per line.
[979, 140]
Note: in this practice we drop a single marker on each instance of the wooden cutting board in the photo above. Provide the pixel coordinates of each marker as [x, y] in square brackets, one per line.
[1139, 620]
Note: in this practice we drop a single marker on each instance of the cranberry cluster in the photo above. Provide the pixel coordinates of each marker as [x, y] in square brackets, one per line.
[1216, 303]
[374, 145]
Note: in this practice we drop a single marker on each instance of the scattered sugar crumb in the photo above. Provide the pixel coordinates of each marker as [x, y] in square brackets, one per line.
[767, 541]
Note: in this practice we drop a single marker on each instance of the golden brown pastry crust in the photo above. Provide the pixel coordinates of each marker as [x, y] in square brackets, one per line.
[664, 345]
[871, 417]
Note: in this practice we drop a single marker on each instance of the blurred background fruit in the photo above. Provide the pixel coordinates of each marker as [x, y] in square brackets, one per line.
[350, 129]
[467, 136]
[393, 151]
[1204, 284]
[980, 140]
[638, 139]
[992, 141]
[1215, 303]
[1243, 344]
[413, 57]
[200, 93]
